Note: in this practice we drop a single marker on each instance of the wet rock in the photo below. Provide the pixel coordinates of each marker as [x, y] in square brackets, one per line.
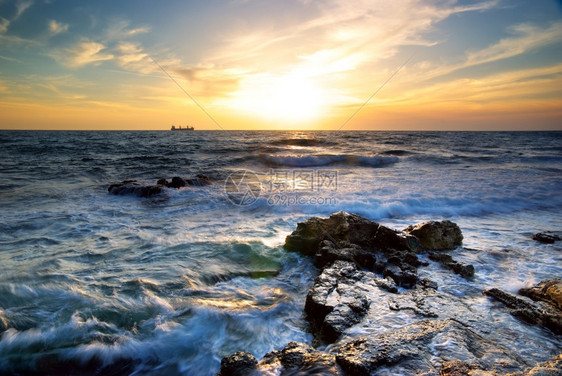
[344, 228]
[3, 322]
[548, 291]
[163, 182]
[328, 252]
[299, 359]
[456, 368]
[335, 302]
[550, 368]
[435, 235]
[465, 270]
[133, 187]
[410, 349]
[238, 364]
[536, 313]
[547, 237]
[177, 182]
[400, 276]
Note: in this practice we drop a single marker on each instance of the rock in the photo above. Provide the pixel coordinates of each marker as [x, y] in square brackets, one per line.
[177, 182]
[547, 237]
[345, 228]
[328, 252]
[410, 349]
[3, 322]
[465, 270]
[335, 302]
[456, 368]
[133, 187]
[549, 291]
[550, 368]
[536, 313]
[298, 359]
[435, 235]
[238, 364]
[163, 182]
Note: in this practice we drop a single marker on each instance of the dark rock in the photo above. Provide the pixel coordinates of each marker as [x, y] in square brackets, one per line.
[3, 322]
[401, 277]
[536, 313]
[177, 182]
[133, 187]
[328, 252]
[437, 235]
[547, 237]
[238, 364]
[163, 182]
[465, 270]
[388, 239]
[549, 291]
[335, 302]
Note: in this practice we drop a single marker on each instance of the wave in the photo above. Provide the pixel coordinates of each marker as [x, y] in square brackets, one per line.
[302, 142]
[302, 160]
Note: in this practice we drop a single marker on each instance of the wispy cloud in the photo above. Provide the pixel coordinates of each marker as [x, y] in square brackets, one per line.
[57, 27]
[21, 7]
[4, 23]
[86, 52]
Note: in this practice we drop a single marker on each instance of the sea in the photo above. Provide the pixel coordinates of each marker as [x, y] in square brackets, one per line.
[172, 283]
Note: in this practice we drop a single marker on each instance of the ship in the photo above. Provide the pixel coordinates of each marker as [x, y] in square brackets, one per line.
[187, 128]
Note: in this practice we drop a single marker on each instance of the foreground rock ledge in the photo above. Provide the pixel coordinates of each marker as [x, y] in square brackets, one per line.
[359, 259]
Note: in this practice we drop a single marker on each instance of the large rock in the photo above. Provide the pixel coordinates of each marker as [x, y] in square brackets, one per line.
[346, 228]
[437, 235]
[537, 313]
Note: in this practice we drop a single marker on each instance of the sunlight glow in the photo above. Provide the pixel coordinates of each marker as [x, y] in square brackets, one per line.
[290, 98]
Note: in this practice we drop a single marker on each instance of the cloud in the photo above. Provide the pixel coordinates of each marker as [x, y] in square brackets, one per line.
[131, 56]
[528, 37]
[21, 7]
[86, 52]
[4, 23]
[57, 27]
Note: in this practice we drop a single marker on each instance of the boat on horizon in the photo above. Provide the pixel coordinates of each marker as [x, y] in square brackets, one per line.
[187, 128]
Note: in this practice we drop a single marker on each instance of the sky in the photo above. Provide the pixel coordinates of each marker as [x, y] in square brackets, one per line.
[293, 64]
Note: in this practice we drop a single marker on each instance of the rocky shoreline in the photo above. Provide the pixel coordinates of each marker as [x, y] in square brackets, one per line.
[365, 270]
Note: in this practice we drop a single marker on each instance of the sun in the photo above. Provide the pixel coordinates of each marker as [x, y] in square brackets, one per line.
[290, 98]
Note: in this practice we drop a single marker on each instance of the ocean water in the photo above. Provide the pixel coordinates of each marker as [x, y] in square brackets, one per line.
[168, 285]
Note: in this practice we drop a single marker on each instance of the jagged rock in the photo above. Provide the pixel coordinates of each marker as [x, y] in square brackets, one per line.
[3, 322]
[163, 182]
[465, 270]
[240, 363]
[550, 368]
[328, 252]
[549, 291]
[299, 359]
[133, 187]
[334, 303]
[345, 228]
[547, 237]
[437, 235]
[537, 313]
[410, 348]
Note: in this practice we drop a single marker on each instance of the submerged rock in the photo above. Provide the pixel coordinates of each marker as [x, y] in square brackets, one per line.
[463, 269]
[437, 235]
[133, 187]
[547, 237]
[536, 313]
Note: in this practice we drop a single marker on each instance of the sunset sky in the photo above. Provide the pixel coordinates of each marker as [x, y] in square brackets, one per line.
[294, 64]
